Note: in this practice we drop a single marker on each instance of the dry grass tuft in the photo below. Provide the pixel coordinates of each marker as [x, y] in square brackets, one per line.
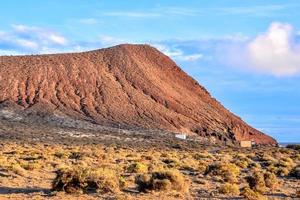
[137, 168]
[228, 188]
[297, 194]
[271, 180]
[295, 172]
[257, 182]
[252, 195]
[84, 180]
[163, 180]
[227, 171]
[17, 169]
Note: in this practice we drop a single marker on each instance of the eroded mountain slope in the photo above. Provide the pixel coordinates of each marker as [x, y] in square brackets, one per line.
[127, 85]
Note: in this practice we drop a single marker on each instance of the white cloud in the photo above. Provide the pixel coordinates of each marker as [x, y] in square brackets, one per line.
[192, 57]
[24, 39]
[30, 39]
[27, 43]
[21, 28]
[275, 51]
[157, 12]
[58, 39]
[177, 53]
[171, 52]
[43, 35]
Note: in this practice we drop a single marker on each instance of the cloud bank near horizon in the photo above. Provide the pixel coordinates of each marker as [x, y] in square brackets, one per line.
[23, 39]
[275, 52]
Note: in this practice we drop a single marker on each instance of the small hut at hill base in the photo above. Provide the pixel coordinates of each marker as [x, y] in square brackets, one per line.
[247, 143]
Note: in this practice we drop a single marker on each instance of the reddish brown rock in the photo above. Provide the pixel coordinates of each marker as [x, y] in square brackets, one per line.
[134, 85]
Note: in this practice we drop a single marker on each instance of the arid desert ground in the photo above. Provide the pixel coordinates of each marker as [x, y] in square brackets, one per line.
[41, 170]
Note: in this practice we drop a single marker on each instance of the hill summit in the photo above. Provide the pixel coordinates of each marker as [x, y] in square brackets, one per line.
[125, 85]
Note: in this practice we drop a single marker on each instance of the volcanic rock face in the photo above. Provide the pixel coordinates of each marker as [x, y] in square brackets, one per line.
[130, 85]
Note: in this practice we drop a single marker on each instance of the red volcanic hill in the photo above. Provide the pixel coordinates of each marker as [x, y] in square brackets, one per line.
[131, 85]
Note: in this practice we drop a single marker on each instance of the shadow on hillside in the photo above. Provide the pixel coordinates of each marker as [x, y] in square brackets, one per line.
[11, 190]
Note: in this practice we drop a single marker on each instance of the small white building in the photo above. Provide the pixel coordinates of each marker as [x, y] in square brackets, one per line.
[181, 136]
[246, 143]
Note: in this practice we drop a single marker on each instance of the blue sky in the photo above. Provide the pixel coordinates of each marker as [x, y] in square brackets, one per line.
[245, 52]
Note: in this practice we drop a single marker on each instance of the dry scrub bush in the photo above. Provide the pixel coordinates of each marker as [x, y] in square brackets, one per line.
[228, 188]
[254, 166]
[227, 171]
[266, 159]
[297, 195]
[286, 162]
[202, 166]
[17, 169]
[293, 146]
[163, 180]
[3, 162]
[78, 180]
[242, 161]
[282, 167]
[61, 153]
[261, 181]
[156, 166]
[201, 156]
[30, 166]
[252, 195]
[257, 182]
[171, 162]
[271, 180]
[295, 172]
[191, 164]
[137, 168]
